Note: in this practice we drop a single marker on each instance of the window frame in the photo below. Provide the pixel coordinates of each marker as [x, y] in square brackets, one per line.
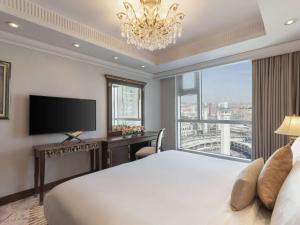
[110, 80]
[197, 90]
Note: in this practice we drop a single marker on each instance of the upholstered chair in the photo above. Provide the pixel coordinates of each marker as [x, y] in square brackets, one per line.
[146, 151]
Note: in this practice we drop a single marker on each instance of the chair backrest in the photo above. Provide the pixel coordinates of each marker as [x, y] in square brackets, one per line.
[159, 140]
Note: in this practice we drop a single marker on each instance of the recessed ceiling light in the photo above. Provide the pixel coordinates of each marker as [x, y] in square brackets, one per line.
[290, 21]
[13, 25]
[116, 57]
[76, 45]
[143, 66]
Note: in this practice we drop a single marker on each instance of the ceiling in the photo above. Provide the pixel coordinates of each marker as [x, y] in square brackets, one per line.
[212, 29]
[199, 22]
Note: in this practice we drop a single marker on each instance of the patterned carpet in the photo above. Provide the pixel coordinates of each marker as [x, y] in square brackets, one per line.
[23, 212]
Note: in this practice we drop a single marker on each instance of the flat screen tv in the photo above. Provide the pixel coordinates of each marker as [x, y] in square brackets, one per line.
[61, 115]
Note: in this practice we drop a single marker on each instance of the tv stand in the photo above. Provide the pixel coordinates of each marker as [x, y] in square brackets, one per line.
[73, 135]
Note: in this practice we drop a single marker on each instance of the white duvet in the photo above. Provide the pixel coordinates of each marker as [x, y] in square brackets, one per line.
[170, 188]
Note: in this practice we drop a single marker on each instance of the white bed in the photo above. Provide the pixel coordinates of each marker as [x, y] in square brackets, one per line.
[170, 188]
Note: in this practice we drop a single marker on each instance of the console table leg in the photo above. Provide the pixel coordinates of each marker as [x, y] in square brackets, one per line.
[42, 177]
[36, 175]
[97, 159]
[92, 156]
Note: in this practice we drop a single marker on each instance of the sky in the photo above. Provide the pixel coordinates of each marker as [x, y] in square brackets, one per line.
[231, 83]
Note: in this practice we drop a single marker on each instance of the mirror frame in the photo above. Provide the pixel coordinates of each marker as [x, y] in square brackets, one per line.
[110, 80]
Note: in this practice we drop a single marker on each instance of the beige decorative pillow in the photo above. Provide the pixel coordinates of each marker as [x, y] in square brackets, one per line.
[273, 175]
[244, 188]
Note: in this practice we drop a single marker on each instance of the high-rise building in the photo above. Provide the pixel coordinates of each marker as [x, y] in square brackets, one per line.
[224, 114]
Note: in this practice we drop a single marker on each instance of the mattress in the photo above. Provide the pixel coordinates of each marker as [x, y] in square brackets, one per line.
[169, 188]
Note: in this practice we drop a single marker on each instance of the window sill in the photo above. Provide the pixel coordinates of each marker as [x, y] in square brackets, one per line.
[216, 155]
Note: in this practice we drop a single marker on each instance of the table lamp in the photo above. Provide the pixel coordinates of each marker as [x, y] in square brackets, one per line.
[290, 127]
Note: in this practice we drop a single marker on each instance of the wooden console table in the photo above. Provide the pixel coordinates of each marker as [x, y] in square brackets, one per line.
[118, 150]
[41, 152]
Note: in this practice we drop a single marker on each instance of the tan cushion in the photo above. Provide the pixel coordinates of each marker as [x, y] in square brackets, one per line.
[244, 188]
[273, 175]
[143, 152]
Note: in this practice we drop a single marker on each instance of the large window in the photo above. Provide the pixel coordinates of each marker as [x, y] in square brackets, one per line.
[215, 110]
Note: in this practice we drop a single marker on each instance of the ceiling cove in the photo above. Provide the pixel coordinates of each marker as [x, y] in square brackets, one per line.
[43, 16]
[37, 14]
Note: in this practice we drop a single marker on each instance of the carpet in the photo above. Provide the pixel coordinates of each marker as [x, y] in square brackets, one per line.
[23, 212]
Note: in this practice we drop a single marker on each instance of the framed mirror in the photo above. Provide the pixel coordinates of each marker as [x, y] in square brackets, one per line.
[125, 103]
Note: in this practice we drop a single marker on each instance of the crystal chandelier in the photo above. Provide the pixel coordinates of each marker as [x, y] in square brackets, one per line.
[151, 31]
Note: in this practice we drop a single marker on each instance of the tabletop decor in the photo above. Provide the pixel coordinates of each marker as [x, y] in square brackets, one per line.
[129, 130]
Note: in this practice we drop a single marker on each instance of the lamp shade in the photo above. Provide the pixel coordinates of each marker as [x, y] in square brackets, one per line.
[290, 126]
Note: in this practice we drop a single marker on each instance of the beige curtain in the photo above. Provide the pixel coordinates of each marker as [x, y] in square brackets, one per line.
[276, 93]
[296, 82]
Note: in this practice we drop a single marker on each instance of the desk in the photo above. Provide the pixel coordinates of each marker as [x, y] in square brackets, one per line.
[41, 152]
[118, 150]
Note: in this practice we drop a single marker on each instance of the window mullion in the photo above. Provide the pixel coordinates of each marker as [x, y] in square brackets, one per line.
[199, 88]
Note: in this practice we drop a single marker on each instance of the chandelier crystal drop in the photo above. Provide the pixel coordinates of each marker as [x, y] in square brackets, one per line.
[151, 30]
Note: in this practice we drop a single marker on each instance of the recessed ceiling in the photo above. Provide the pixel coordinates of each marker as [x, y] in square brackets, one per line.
[212, 29]
[203, 17]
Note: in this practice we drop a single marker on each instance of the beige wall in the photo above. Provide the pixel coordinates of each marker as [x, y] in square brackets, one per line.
[39, 73]
[168, 112]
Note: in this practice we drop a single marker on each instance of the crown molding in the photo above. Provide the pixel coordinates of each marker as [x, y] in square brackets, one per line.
[37, 14]
[61, 52]
[227, 37]
[250, 55]
[32, 12]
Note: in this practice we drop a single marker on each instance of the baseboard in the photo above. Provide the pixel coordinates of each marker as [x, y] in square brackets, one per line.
[17, 196]
[30, 192]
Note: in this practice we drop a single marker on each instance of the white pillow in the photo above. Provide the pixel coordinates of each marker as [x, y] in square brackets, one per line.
[287, 207]
[246, 216]
[296, 150]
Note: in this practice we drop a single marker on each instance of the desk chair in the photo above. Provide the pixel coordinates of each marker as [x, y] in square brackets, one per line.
[146, 151]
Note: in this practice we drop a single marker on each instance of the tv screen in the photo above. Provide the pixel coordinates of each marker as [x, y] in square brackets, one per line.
[61, 115]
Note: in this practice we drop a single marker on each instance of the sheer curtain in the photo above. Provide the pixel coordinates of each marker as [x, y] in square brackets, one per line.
[276, 93]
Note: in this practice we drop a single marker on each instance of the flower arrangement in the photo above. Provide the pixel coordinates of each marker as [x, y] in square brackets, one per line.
[129, 130]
